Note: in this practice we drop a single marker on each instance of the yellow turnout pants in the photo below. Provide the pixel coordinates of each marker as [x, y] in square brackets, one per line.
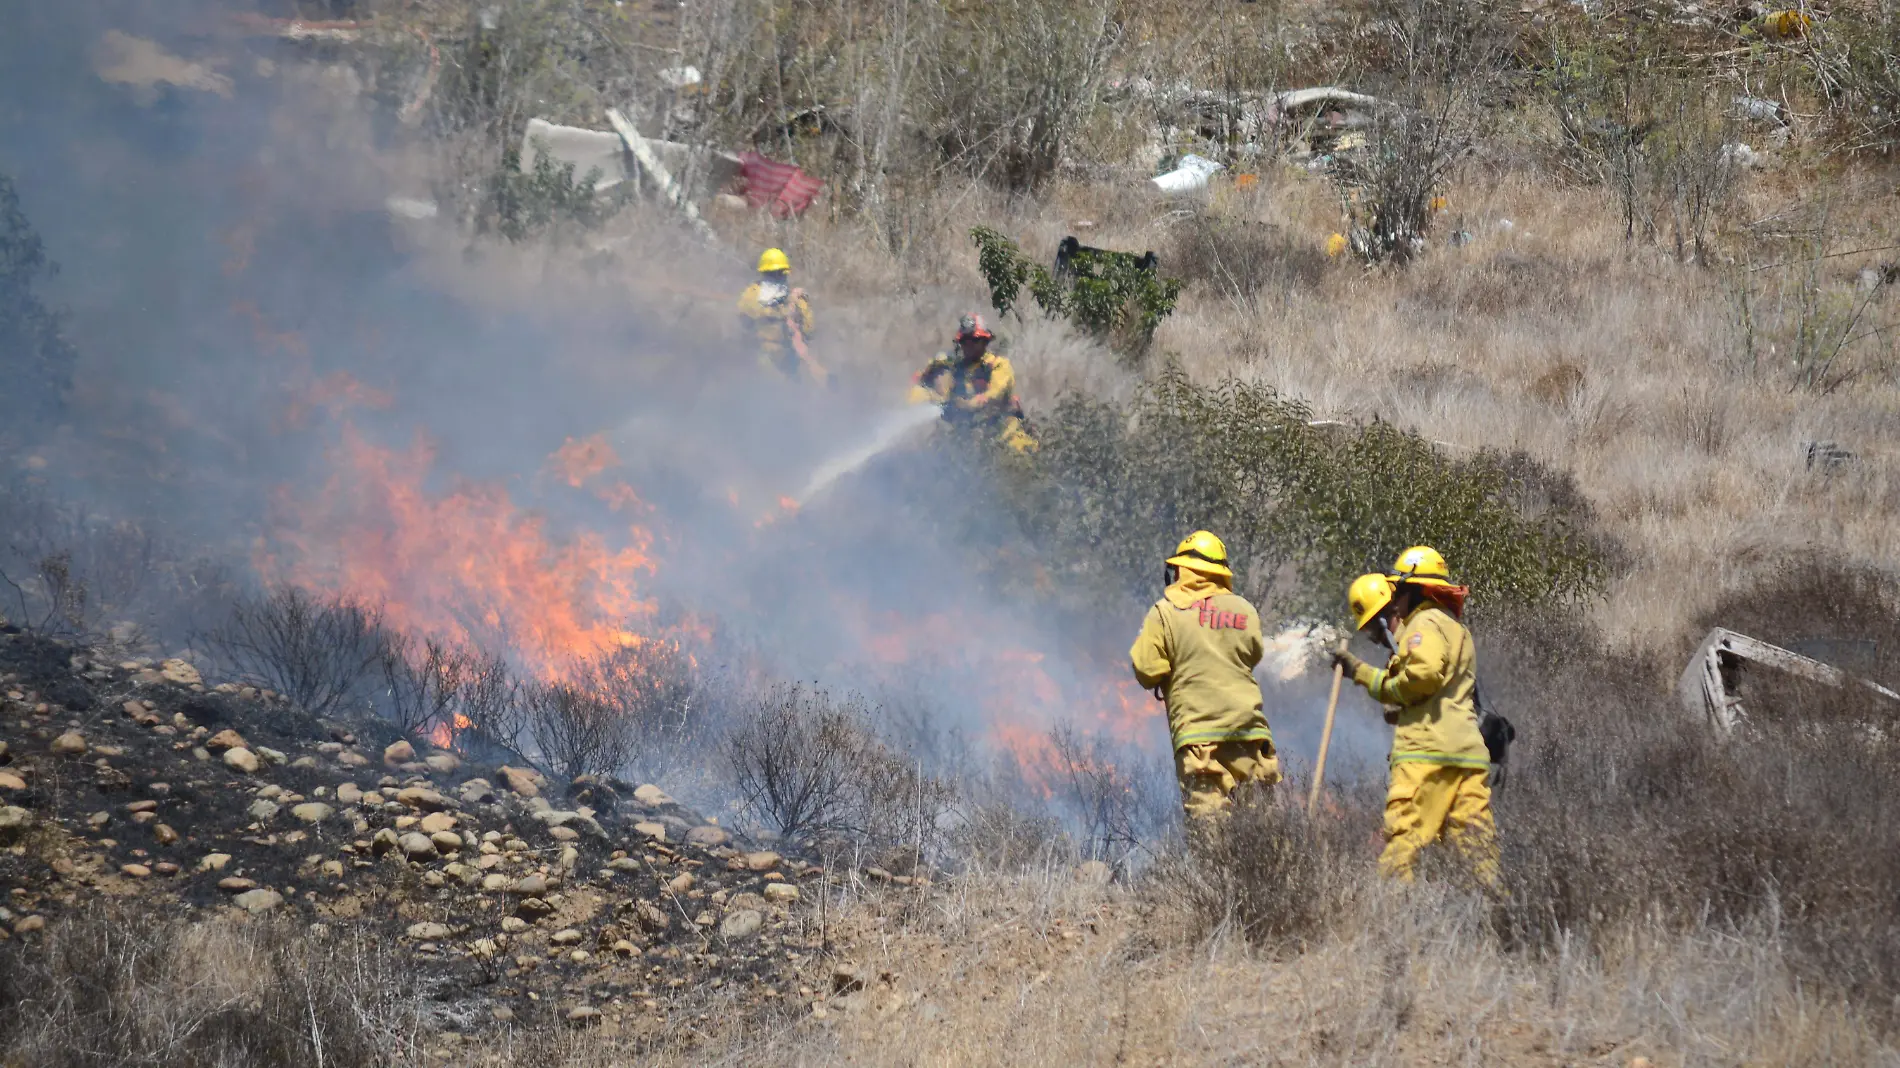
[1210, 772]
[1429, 802]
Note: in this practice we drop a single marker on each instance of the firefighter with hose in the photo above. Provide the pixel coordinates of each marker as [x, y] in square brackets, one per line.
[779, 316]
[1197, 651]
[1439, 762]
[976, 387]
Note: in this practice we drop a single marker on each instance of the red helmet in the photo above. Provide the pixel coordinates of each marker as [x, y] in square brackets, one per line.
[970, 325]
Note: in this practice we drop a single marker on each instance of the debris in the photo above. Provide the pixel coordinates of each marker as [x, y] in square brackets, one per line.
[1760, 109]
[657, 171]
[677, 78]
[1190, 174]
[781, 188]
[1740, 155]
[1825, 456]
[1710, 682]
[144, 66]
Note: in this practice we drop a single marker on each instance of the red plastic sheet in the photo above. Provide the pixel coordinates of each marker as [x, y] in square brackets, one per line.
[780, 188]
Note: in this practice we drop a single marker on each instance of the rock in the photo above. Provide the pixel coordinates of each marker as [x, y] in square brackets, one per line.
[311, 812]
[583, 1016]
[70, 744]
[214, 861]
[399, 753]
[446, 842]
[742, 901]
[165, 835]
[418, 846]
[625, 948]
[98, 820]
[276, 758]
[477, 791]
[352, 760]
[428, 932]
[494, 881]
[1095, 873]
[235, 885]
[384, 841]
[521, 781]
[422, 799]
[655, 831]
[707, 837]
[226, 739]
[741, 925]
[437, 821]
[651, 796]
[443, 763]
[570, 858]
[531, 886]
[534, 907]
[147, 805]
[180, 672]
[258, 900]
[513, 925]
[781, 893]
[680, 883]
[434, 880]
[28, 924]
[136, 871]
[567, 936]
[10, 781]
[484, 948]
[332, 869]
[563, 834]
[165, 867]
[241, 760]
[764, 860]
[349, 794]
[262, 811]
[6, 755]
[624, 864]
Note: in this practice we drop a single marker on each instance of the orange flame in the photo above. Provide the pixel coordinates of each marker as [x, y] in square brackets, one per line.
[465, 565]
[578, 461]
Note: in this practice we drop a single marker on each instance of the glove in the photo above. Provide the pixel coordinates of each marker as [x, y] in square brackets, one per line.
[1346, 662]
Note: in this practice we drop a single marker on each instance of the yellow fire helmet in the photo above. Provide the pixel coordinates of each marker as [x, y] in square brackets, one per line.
[1203, 552]
[773, 259]
[1367, 597]
[1422, 564]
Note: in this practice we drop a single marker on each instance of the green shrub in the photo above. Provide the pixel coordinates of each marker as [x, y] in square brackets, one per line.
[1106, 296]
[523, 203]
[1302, 508]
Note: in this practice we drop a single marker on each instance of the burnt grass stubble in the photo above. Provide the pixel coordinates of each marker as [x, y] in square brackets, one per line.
[69, 873]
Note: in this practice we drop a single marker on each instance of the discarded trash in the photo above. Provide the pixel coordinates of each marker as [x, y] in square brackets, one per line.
[411, 207]
[1336, 245]
[1825, 456]
[781, 188]
[1191, 173]
[1785, 25]
[1760, 109]
[1069, 248]
[1740, 155]
[605, 152]
[1709, 684]
[680, 77]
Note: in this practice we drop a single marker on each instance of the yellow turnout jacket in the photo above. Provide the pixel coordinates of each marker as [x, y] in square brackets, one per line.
[1200, 644]
[1429, 679]
[764, 310]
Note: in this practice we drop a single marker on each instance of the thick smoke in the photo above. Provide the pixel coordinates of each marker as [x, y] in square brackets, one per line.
[252, 316]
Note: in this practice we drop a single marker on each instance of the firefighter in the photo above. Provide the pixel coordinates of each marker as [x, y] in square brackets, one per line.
[1425, 567]
[976, 387]
[1197, 650]
[1439, 760]
[780, 318]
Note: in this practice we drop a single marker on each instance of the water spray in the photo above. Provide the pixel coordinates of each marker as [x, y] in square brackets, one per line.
[890, 431]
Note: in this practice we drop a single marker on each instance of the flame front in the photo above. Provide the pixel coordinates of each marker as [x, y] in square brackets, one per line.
[465, 565]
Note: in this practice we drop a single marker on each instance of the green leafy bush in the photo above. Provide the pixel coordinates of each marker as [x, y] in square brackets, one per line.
[1106, 295]
[1302, 508]
[523, 203]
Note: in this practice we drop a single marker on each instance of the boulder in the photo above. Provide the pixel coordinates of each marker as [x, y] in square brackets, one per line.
[654, 831]
[437, 821]
[446, 842]
[651, 796]
[165, 835]
[241, 760]
[763, 860]
[70, 744]
[567, 936]
[422, 799]
[274, 757]
[136, 871]
[180, 672]
[226, 739]
[418, 846]
[531, 886]
[583, 1016]
[624, 864]
[534, 907]
[260, 900]
[10, 781]
[523, 781]
[312, 812]
[477, 791]
[741, 925]
[349, 794]
[262, 811]
[781, 893]
[384, 841]
[214, 861]
[352, 760]
[233, 884]
[399, 753]
[681, 883]
[429, 932]
[443, 763]
[707, 837]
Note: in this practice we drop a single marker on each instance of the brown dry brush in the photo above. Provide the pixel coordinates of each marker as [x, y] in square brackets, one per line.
[125, 988]
[316, 650]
